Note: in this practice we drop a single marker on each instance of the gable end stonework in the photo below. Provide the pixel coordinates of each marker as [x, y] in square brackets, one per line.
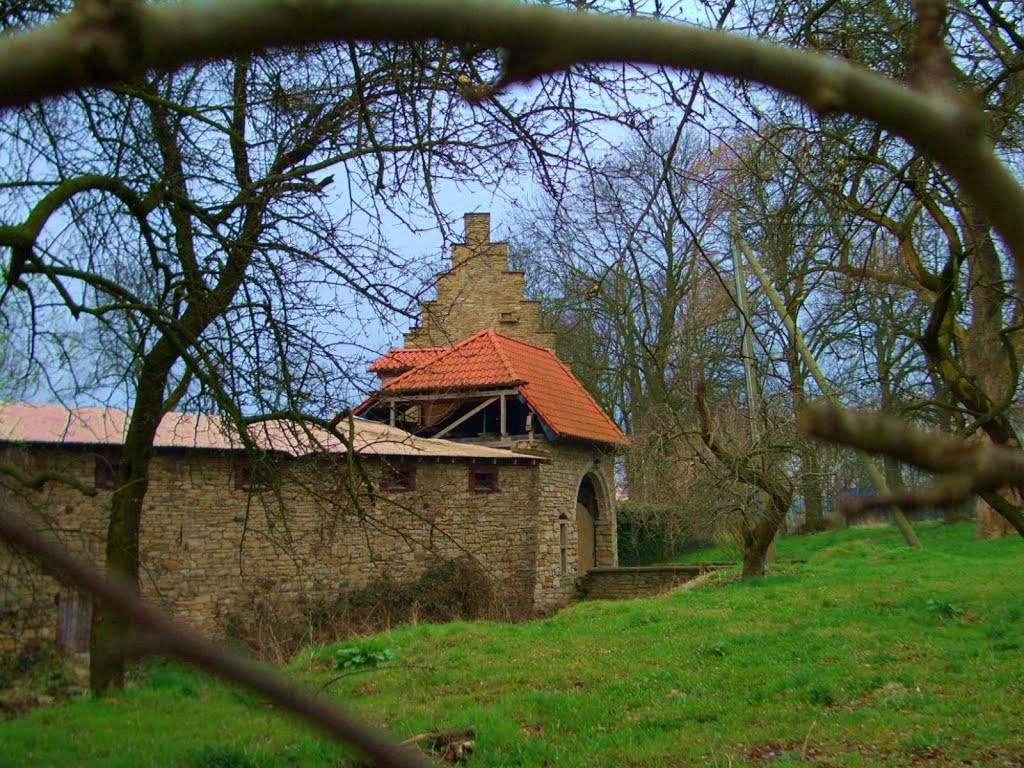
[479, 369]
[479, 292]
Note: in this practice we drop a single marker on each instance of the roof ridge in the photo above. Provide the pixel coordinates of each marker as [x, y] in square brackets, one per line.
[546, 382]
[549, 350]
[401, 376]
[392, 356]
[494, 336]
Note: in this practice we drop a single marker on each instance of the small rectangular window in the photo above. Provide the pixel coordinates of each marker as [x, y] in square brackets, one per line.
[563, 546]
[398, 479]
[250, 477]
[483, 479]
[105, 472]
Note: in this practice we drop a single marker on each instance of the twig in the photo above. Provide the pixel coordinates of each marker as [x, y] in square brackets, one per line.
[168, 638]
[363, 671]
[807, 738]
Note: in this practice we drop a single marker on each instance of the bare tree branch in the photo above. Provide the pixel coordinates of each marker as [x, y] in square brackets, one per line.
[964, 468]
[89, 47]
[37, 481]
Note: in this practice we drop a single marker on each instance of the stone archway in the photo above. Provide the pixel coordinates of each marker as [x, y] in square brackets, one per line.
[587, 514]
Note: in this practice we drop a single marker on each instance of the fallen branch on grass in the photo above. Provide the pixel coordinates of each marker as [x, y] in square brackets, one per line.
[364, 670]
[450, 747]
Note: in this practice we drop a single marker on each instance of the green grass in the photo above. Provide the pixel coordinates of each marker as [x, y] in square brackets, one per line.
[868, 654]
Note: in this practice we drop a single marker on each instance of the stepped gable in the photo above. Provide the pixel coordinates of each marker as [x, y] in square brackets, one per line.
[478, 292]
[488, 360]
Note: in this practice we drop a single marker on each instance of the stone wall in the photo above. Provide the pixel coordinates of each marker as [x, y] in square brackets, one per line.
[628, 583]
[211, 553]
[479, 292]
[559, 483]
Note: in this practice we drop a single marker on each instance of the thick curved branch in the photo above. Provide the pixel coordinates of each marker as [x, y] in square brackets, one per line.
[37, 481]
[21, 238]
[84, 48]
[964, 468]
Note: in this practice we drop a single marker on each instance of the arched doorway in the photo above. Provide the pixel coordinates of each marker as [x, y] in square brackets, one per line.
[586, 525]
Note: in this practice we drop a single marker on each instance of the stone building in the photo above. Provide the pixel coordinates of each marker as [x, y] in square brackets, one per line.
[480, 443]
[479, 369]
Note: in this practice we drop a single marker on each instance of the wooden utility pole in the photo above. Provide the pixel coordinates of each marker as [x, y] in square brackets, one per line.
[874, 473]
[746, 343]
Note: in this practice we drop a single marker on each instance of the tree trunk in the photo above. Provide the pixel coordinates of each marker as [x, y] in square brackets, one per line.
[992, 525]
[758, 541]
[111, 639]
[811, 491]
[894, 479]
[755, 561]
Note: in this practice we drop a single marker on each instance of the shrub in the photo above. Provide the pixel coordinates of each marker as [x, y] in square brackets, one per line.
[453, 589]
[651, 533]
[361, 654]
[275, 628]
[29, 659]
[447, 591]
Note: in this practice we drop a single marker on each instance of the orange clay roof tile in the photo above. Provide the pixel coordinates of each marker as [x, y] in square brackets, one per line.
[404, 359]
[488, 360]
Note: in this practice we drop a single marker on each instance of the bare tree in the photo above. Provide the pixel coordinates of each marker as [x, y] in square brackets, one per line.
[102, 42]
[180, 236]
[623, 260]
[885, 199]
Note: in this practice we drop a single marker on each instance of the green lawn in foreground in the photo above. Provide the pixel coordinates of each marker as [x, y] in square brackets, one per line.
[868, 654]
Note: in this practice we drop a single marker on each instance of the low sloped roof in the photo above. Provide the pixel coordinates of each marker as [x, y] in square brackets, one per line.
[489, 359]
[55, 424]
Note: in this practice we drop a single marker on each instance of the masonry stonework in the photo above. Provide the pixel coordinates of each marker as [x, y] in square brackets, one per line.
[479, 292]
[213, 553]
[559, 482]
[210, 552]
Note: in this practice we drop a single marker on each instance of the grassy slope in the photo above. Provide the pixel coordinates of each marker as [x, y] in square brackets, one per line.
[870, 654]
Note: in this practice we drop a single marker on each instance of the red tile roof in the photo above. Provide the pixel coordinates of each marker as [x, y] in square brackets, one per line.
[488, 360]
[398, 360]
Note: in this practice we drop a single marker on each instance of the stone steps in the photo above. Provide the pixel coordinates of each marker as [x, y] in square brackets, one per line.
[604, 583]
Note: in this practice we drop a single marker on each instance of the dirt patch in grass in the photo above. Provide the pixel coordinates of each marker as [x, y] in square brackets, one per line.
[781, 752]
